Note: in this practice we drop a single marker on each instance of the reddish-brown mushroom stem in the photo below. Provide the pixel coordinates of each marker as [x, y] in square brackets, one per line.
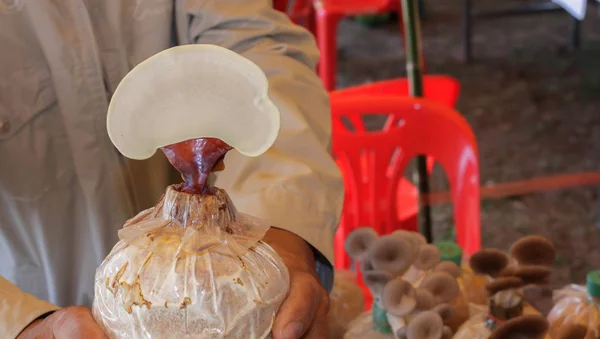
[195, 159]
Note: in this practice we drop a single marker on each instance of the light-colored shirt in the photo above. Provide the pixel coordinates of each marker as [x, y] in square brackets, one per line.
[65, 190]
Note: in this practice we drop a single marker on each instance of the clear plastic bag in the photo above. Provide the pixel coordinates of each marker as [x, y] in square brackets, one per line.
[346, 303]
[191, 267]
[574, 305]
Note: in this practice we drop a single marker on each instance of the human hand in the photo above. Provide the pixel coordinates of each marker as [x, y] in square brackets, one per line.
[68, 323]
[303, 313]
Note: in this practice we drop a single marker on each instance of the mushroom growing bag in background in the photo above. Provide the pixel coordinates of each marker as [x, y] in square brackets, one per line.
[192, 266]
[577, 306]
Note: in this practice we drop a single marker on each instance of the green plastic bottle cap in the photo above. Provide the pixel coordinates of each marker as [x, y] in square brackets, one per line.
[380, 322]
[450, 251]
[593, 283]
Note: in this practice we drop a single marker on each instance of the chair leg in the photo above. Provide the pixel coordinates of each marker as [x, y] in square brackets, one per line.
[327, 41]
[467, 31]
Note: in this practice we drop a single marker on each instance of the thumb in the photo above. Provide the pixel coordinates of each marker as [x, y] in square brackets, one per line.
[76, 322]
[298, 310]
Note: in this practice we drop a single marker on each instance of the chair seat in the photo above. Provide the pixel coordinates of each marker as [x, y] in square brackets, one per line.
[438, 88]
[352, 7]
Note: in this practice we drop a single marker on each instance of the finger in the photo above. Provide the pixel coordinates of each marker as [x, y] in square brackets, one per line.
[77, 322]
[319, 328]
[298, 309]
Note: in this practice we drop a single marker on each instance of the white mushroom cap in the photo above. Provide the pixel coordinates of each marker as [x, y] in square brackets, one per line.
[190, 92]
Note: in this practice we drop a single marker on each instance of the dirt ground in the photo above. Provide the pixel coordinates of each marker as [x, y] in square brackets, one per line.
[533, 104]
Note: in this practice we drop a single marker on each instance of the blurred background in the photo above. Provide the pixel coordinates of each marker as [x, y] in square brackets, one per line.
[531, 93]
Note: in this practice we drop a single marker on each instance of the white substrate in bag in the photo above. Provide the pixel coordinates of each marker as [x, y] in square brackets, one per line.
[191, 267]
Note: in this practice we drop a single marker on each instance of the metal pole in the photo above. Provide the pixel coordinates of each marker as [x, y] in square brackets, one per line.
[414, 69]
[467, 31]
[575, 34]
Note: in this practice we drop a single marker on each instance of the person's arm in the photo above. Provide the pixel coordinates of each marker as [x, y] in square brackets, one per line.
[296, 185]
[19, 309]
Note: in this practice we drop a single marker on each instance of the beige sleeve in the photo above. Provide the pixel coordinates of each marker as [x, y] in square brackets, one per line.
[296, 185]
[18, 309]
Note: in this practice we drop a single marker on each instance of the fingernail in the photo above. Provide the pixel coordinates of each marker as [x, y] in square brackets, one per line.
[292, 330]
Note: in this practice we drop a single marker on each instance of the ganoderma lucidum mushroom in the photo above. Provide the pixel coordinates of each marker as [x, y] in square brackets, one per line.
[192, 266]
[192, 91]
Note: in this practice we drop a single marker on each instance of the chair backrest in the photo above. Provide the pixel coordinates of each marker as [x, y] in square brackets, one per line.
[439, 88]
[373, 163]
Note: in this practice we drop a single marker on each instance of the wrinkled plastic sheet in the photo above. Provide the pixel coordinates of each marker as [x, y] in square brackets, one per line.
[181, 270]
[573, 305]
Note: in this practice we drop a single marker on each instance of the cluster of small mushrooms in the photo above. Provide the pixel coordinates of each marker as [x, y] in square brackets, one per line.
[524, 273]
[407, 280]
[528, 263]
[415, 288]
[521, 274]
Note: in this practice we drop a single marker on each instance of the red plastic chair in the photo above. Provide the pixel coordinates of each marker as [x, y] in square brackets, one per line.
[373, 163]
[322, 17]
[439, 88]
[328, 15]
